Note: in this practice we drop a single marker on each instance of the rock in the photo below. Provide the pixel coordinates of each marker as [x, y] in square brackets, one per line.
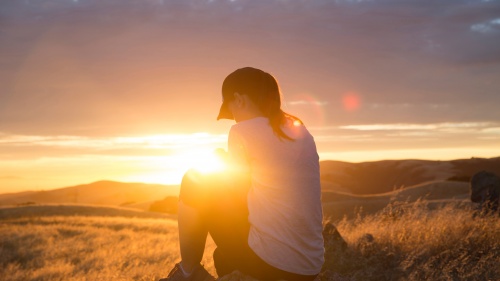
[236, 276]
[485, 190]
[367, 238]
[366, 245]
[332, 238]
[329, 275]
[334, 243]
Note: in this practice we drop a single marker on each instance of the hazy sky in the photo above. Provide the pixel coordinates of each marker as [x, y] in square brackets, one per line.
[129, 90]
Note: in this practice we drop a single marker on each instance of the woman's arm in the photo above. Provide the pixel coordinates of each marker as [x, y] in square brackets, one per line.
[238, 160]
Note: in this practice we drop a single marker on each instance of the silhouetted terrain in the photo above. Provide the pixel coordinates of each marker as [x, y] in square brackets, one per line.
[344, 186]
[132, 195]
[384, 176]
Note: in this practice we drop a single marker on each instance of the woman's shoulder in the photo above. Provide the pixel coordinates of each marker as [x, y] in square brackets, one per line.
[254, 123]
[260, 129]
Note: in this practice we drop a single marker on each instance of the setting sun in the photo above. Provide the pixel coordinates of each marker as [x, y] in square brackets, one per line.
[206, 162]
[169, 169]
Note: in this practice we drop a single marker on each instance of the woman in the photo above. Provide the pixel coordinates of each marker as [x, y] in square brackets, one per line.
[264, 213]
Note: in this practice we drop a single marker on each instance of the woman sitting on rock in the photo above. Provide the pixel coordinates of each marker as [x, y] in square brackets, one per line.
[264, 212]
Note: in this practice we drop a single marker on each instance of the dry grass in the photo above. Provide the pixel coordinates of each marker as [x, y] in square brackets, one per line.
[409, 243]
[88, 247]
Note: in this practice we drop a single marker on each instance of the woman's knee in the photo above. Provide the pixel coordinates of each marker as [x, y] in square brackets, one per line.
[202, 189]
[191, 191]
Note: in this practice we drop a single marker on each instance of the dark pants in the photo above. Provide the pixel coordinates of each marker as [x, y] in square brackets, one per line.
[223, 207]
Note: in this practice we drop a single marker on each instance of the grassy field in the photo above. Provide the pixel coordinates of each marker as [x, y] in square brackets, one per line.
[403, 242]
[411, 242]
[96, 244]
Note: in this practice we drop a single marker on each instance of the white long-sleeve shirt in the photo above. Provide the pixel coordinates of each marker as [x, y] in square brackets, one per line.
[284, 199]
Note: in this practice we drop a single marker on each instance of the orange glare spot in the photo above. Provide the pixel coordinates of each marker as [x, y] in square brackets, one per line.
[297, 123]
[351, 101]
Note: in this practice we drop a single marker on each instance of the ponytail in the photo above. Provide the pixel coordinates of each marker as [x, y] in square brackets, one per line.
[270, 105]
[281, 118]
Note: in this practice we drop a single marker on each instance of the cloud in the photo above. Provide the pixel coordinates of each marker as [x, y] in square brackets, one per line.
[10, 178]
[307, 102]
[438, 126]
[408, 140]
[408, 135]
[17, 147]
[155, 142]
[492, 130]
[406, 106]
[488, 27]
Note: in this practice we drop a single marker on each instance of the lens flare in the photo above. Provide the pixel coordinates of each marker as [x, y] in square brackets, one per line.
[351, 101]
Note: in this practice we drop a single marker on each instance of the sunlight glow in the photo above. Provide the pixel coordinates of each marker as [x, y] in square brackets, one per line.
[207, 162]
[162, 159]
[169, 169]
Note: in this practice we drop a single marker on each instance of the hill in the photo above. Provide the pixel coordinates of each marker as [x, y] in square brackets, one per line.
[384, 176]
[137, 195]
[434, 194]
[344, 180]
[69, 210]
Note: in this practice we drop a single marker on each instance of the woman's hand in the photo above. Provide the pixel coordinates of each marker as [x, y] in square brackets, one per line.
[221, 154]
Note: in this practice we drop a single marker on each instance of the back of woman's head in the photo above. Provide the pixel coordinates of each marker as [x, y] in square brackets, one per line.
[262, 88]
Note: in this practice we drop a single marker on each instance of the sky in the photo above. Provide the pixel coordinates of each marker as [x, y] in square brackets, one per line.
[130, 90]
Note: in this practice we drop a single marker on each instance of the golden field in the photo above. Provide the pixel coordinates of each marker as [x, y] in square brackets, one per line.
[401, 220]
[98, 243]
[405, 241]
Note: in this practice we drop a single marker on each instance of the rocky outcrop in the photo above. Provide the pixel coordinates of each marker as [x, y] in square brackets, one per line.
[485, 190]
[332, 238]
[333, 242]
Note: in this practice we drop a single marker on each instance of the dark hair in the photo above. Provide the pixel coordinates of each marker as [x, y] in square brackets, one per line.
[262, 88]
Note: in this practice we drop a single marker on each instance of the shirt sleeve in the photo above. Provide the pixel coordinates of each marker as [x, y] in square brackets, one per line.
[238, 154]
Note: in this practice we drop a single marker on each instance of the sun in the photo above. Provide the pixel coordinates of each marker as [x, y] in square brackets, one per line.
[169, 169]
[208, 161]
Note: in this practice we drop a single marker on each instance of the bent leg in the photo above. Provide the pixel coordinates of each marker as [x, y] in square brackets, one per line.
[192, 228]
[228, 225]
[192, 236]
[212, 203]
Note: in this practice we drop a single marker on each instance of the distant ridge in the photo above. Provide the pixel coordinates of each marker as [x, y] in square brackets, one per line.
[434, 190]
[433, 195]
[60, 210]
[97, 193]
[337, 177]
[384, 176]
